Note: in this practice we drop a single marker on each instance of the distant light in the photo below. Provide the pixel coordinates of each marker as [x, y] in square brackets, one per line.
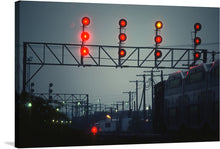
[53, 121]
[57, 109]
[84, 36]
[61, 122]
[147, 120]
[85, 21]
[70, 122]
[147, 108]
[63, 102]
[57, 121]
[66, 122]
[29, 104]
[116, 110]
[94, 130]
[78, 103]
[108, 116]
[158, 25]
[123, 23]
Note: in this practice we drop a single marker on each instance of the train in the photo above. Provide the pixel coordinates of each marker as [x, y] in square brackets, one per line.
[188, 100]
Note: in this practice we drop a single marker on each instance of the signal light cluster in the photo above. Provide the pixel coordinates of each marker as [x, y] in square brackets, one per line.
[122, 37]
[158, 39]
[197, 41]
[84, 51]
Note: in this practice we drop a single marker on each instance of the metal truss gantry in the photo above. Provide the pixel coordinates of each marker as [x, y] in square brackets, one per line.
[76, 102]
[61, 54]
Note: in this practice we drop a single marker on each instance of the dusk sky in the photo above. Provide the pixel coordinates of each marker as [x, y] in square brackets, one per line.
[61, 23]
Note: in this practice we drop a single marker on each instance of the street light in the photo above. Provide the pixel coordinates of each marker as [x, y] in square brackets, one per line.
[108, 116]
[29, 104]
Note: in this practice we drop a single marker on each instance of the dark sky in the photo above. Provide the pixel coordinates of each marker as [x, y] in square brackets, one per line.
[60, 22]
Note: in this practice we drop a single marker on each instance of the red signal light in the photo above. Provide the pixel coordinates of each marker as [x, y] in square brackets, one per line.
[158, 39]
[122, 37]
[122, 53]
[197, 26]
[84, 36]
[85, 21]
[157, 53]
[197, 41]
[158, 25]
[197, 55]
[94, 130]
[123, 23]
[84, 51]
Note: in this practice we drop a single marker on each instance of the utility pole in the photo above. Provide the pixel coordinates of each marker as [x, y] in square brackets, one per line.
[129, 101]
[152, 86]
[136, 93]
[144, 95]
[72, 109]
[152, 78]
[87, 107]
[100, 109]
[121, 103]
[213, 56]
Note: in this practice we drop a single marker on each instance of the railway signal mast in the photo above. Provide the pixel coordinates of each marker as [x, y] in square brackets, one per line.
[122, 37]
[84, 51]
[158, 39]
[197, 41]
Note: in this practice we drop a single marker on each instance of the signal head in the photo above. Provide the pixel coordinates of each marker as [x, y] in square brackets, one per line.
[122, 53]
[84, 51]
[197, 41]
[122, 23]
[157, 53]
[122, 37]
[85, 21]
[197, 55]
[158, 39]
[84, 36]
[197, 27]
[158, 25]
